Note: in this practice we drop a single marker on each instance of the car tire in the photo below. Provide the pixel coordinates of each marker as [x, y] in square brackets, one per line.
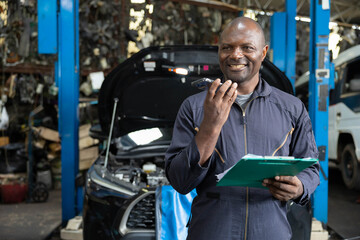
[350, 167]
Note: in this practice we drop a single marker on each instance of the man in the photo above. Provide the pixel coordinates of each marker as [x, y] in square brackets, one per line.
[216, 128]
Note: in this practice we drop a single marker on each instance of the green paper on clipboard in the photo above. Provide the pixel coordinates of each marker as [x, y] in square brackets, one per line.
[252, 169]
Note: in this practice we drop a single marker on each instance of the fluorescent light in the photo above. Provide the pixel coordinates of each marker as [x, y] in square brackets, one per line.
[137, 1]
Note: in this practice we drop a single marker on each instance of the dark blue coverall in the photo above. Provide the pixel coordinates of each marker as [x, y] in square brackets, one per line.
[272, 123]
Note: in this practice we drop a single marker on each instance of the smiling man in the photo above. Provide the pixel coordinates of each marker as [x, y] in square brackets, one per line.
[217, 127]
[241, 51]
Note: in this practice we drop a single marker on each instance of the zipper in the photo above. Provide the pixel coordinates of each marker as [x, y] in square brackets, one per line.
[244, 113]
[247, 211]
[282, 144]
[247, 188]
[245, 142]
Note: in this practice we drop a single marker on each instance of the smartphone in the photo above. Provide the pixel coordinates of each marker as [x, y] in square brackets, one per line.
[202, 83]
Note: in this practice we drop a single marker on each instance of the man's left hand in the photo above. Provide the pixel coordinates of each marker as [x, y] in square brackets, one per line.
[284, 188]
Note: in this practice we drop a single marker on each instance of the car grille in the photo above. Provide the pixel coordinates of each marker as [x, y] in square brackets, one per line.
[142, 215]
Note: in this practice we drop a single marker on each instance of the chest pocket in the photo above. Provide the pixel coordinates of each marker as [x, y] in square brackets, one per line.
[283, 147]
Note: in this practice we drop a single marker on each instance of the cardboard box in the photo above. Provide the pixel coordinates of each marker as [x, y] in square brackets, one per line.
[84, 130]
[87, 156]
[86, 142]
[40, 143]
[88, 149]
[55, 147]
[47, 134]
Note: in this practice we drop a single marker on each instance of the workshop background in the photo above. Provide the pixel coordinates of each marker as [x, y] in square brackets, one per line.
[110, 31]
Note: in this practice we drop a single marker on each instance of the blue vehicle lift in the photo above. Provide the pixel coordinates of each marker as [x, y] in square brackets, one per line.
[58, 33]
[283, 40]
[283, 33]
[320, 81]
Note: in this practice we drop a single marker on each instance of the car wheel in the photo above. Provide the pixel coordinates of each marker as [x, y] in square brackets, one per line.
[350, 168]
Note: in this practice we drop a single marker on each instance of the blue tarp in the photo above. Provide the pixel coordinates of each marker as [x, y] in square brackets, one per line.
[172, 213]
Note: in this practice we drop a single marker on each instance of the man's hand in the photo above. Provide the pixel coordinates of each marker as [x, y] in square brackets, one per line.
[284, 188]
[217, 107]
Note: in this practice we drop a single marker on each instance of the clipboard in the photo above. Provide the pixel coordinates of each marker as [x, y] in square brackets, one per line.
[251, 170]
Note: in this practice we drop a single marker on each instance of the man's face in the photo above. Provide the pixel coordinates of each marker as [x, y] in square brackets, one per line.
[241, 52]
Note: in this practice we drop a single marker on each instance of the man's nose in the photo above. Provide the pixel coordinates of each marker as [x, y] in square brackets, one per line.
[237, 53]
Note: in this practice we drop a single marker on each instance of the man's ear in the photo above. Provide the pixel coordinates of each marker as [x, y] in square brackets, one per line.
[264, 51]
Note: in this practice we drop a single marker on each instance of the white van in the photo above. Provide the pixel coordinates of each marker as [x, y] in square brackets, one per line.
[344, 114]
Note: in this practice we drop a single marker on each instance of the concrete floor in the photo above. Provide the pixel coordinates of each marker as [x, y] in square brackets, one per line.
[344, 212]
[30, 221]
[40, 221]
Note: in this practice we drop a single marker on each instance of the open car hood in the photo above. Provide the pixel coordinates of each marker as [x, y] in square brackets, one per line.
[152, 84]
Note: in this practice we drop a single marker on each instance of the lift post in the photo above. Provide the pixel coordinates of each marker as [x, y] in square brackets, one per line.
[319, 85]
[283, 40]
[68, 70]
[58, 22]
[282, 54]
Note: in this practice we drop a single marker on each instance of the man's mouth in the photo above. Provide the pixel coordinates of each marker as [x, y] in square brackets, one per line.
[237, 66]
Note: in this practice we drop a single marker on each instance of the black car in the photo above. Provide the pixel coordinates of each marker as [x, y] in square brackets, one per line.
[119, 199]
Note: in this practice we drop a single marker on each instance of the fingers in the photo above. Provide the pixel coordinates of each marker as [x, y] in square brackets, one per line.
[287, 180]
[279, 190]
[233, 98]
[231, 93]
[226, 92]
[284, 187]
[272, 184]
[280, 195]
[213, 87]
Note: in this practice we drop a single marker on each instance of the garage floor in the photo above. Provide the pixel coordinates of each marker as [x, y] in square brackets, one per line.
[344, 212]
[30, 221]
[39, 221]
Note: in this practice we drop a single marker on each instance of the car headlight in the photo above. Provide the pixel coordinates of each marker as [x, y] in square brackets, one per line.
[104, 179]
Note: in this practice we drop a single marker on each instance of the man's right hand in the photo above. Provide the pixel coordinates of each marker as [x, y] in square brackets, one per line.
[217, 107]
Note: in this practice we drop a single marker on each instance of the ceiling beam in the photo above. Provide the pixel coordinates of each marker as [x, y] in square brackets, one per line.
[340, 14]
[300, 5]
[266, 5]
[338, 11]
[212, 4]
[258, 4]
[343, 3]
[349, 18]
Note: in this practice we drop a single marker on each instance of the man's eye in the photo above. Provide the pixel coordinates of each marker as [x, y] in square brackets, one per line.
[226, 48]
[248, 48]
